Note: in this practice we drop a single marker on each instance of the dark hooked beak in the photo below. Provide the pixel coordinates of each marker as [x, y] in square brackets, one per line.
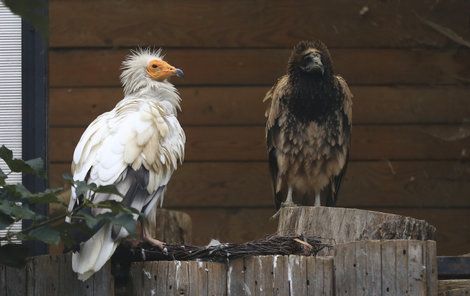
[318, 65]
[314, 64]
[179, 73]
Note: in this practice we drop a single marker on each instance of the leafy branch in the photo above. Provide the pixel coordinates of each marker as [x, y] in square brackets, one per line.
[17, 203]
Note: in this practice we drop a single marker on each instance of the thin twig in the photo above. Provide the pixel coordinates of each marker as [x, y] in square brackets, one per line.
[273, 245]
[10, 235]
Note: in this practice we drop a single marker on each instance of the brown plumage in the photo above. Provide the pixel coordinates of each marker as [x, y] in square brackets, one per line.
[308, 128]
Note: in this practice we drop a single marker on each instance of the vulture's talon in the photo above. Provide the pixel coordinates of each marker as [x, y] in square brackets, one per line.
[288, 205]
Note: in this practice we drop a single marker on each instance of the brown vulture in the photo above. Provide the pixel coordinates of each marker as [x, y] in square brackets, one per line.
[308, 129]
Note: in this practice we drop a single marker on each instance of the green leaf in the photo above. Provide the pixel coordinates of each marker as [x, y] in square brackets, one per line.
[37, 166]
[3, 177]
[110, 189]
[9, 192]
[17, 192]
[70, 232]
[18, 211]
[90, 220]
[13, 255]
[21, 191]
[125, 220]
[48, 196]
[45, 234]
[5, 221]
[33, 166]
[6, 154]
[81, 188]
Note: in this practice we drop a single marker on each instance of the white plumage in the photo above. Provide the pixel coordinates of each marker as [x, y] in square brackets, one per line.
[136, 146]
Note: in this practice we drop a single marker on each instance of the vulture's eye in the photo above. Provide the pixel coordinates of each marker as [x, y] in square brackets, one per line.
[154, 66]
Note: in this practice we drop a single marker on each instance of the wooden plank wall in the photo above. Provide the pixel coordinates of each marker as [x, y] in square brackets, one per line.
[411, 139]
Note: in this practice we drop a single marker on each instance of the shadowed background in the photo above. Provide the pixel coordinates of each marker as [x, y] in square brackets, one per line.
[411, 133]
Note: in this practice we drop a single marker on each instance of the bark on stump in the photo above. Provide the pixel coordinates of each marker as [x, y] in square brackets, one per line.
[342, 225]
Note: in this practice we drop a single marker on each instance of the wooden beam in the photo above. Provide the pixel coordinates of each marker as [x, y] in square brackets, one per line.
[408, 142]
[100, 68]
[453, 267]
[213, 106]
[366, 184]
[245, 24]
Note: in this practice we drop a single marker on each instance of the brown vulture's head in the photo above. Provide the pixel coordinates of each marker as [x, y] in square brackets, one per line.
[310, 58]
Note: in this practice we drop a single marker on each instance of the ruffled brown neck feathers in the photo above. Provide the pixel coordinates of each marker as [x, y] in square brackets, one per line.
[314, 93]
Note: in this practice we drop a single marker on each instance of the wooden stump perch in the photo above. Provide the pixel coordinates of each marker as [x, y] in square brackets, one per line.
[373, 254]
[173, 227]
[341, 225]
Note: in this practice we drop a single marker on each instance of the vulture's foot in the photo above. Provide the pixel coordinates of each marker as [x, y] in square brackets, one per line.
[283, 205]
[287, 204]
[134, 243]
[155, 242]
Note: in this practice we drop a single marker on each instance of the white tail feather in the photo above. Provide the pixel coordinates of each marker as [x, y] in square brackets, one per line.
[94, 253]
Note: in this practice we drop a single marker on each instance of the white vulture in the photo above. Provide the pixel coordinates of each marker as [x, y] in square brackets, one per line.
[136, 147]
[308, 129]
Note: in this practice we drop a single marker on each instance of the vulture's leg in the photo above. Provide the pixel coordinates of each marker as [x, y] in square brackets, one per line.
[149, 223]
[289, 202]
[147, 235]
[317, 200]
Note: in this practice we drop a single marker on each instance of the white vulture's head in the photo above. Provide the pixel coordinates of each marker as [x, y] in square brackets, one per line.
[146, 68]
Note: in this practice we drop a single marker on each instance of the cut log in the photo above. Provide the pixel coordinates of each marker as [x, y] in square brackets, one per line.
[173, 227]
[342, 225]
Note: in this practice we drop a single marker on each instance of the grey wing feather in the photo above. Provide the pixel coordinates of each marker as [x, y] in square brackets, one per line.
[134, 188]
[273, 110]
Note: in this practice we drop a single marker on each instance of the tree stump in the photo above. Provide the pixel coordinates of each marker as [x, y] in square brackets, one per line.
[342, 225]
[173, 227]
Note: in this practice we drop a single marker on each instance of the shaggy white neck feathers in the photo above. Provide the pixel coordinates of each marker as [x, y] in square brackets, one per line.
[137, 83]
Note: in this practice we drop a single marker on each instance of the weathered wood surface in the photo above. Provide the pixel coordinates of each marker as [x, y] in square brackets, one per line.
[370, 142]
[260, 275]
[243, 105]
[342, 225]
[454, 287]
[367, 184]
[340, 23]
[456, 292]
[264, 66]
[173, 227]
[391, 267]
[52, 275]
